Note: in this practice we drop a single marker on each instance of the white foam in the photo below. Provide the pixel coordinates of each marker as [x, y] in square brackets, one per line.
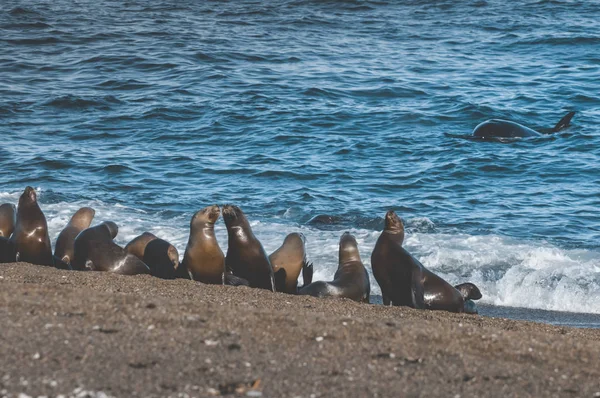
[508, 271]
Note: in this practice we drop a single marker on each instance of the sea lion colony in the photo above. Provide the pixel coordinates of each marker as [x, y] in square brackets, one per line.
[404, 281]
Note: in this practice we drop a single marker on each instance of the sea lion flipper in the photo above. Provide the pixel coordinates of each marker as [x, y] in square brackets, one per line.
[418, 291]
[61, 264]
[233, 280]
[564, 122]
[469, 291]
[307, 273]
[280, 277]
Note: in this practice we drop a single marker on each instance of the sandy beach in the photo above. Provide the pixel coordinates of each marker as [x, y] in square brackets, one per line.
[97, 334]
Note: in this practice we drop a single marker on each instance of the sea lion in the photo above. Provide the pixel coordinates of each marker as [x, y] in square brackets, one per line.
[64, 248]
[405, 281]
[30, 237]
[96, 251]
[8, 253]
[502, 129]
[8, 219]
[351, 279]
[288, 261]
[246, 257]
[203, 258]
[159, 255]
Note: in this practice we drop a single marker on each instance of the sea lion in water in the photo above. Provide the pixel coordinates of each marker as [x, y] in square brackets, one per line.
[30, 237]
[203, 258]
[246, 257]
[405, 281]
[288, 261]
[351, 279]
[159, 255]
[8, 219]
[65, 243]
[502, 129]
[96, 251]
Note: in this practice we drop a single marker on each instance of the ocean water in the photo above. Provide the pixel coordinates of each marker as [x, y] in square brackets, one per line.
[148, 110]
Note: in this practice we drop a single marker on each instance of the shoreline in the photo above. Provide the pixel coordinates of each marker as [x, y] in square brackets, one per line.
[142, 336]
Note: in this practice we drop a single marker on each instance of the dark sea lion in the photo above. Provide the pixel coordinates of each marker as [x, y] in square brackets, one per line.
[469, 291]
[159, 255]
[351, 279]
[137, 246]
[8, 219]
[65, 243]
[96, 251]
[288, 261]
[499, 129]
[203, 258]
[405, 281]
[8, 253]
[30, 236]
[246, 257]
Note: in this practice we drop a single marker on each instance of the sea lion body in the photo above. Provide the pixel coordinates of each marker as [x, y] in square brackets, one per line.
[502, 129]
[8, 253]
[351, 279]
[291, 257]
[30, 236]
[8, 219]
[159, 255]
[246, 256]
[203, 258]
[137, 246]
[96, 251]
[404, 281]
[65, 243]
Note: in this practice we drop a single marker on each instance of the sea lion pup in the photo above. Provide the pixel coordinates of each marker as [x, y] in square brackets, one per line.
[65, 243]
[288, 261]
[405, 281]
[8, 219]
[246, 257]
[30, 237]
[96, 251]
[159, 255]
[498, 128]
[351, 279]
[203, 258]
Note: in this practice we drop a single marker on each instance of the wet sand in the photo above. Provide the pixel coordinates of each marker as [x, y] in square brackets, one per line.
[97, 334]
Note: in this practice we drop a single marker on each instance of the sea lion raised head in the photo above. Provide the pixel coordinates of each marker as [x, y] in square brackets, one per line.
[348, 249]
[8, 219]
[30, 236]
[65, 243]
[246, 256]
[394, 225]
[203, 258]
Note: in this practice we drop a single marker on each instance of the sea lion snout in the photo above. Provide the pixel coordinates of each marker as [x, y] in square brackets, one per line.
[393, 222]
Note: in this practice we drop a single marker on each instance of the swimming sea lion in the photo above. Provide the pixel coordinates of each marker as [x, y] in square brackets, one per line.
[8, 219]
[498, 128]
[96, 251]
[30, 237]
[405, 281]
[203, 258]
[246, 256]
[159, 255]
[351, 279]
[288, 261]
[64, 248]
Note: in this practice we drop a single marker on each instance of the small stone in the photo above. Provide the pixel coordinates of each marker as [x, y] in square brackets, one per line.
[319, 339]
[247, 364]
[36, 355]
[151, 327]
[596, 394]
[254, 393]
[212, 391]
[344, 323]
[211, 343]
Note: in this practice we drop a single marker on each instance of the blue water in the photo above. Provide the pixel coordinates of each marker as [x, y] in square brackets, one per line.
[150, 110]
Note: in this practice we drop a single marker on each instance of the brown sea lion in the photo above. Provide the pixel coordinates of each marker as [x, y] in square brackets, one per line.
[351, 279]
[404, 280]
[96, 251]
[30, 237]
[65, 243]
[8, 219]
[288, 261]
[246, 256]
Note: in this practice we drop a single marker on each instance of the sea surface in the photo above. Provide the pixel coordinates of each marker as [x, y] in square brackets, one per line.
[148, 110]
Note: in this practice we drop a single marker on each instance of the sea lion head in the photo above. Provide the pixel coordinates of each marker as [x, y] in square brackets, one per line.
[83, 218]
[173, 255]
[208, 215]
[393, 223]
[112, 228]
[28, 198]
[8, 219]
[233, 216]
[296, 239]
[348, 248]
